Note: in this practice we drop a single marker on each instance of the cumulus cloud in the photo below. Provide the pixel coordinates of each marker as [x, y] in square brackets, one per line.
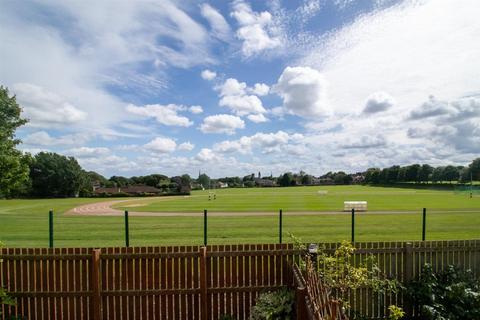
[206, 155]
[161, 145]
[222, 123]
[453, 124]
[208, 74]
[186, 146]
[234, 96]
[257, 31]
[257, 118]
[46, 109]
[264, 142]
[260, 89]
[218, 24]
[431, 108]
[164, 114]
[304, 92]
[378, 102]
[195, 109]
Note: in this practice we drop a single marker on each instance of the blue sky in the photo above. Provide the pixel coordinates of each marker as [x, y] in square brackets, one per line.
[235, 87]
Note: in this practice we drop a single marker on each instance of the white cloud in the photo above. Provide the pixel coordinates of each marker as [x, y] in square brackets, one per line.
[257, 118]
[304, 92]
[161, 145]
[164, 114]
[186, 146]
[260, 89]
[88, 152]
[257, 30]
[264, 142]
[232, 87]
[378, 102]
[220, 27]
[195, 109]
[404, 51]
[46, 109]
[222, 123]
[42, 138]
[208, 74]
[243, 105]
[234, 96]
[206, 155]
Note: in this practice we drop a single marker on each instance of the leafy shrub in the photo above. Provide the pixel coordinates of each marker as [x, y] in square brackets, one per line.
[451, 294]
[395, 313]
[275, 305]
[5, 297]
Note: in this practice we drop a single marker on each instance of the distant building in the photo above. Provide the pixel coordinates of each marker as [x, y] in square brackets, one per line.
[264, 182]
[221, 184]
[130, 190]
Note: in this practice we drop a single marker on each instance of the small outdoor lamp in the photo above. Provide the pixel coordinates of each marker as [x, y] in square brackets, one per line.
[313, 248]
[313, 251]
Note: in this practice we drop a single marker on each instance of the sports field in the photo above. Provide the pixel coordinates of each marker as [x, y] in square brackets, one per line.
[24, 223]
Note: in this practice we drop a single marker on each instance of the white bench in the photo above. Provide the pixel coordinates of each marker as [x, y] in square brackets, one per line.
[357, 205]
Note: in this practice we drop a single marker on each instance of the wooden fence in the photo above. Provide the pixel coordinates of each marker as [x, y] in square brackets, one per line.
[191, 282]
[312, 298]
[142, 283]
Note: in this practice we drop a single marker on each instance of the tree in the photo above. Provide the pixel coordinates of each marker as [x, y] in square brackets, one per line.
[204, 180]
[54, 175]
[474, 169]
[13, 164]
[307, 180]
[120, 181]
[372, 176]
[450, 173]
[286, 179]
[411, 175]
[424, 173]
[438, 174]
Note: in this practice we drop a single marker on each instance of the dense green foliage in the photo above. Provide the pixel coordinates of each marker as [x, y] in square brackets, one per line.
[425, 173]
[13, 164]
[274, 305]
[447, 295]
[54, 175]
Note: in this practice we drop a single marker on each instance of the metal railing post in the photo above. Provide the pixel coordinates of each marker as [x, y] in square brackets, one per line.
[205, 227]
[50, 229]
[280, 226]
[127, 230]
[353, 225]
[424, 224]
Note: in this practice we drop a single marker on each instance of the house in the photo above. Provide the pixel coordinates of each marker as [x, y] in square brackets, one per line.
[130, 190]
[265, 182]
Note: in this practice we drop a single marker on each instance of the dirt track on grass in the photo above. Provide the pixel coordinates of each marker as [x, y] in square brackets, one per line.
[105, 209]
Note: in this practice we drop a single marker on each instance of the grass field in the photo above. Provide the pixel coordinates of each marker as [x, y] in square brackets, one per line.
[308, 199]
[24, 223]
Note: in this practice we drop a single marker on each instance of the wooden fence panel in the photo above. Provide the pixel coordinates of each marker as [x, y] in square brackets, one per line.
[168, 282]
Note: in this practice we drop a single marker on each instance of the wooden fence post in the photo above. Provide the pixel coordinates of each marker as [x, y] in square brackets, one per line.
[301, 303]
[408, 275]
[96, 304]
[203, 284]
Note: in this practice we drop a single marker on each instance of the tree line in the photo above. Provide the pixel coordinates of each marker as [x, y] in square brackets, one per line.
[424, 173]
